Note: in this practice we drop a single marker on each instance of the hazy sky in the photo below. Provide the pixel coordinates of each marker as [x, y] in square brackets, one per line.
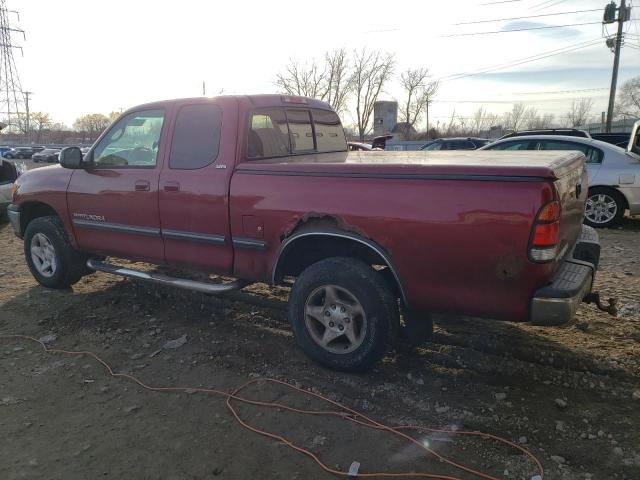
[84, 56]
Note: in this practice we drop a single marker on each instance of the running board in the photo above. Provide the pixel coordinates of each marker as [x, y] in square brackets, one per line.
[203, 287]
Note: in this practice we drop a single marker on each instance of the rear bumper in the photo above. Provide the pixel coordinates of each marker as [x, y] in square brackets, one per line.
[13, 212]
[556, 303]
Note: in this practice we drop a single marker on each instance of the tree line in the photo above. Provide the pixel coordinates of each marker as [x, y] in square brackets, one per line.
[351, 82]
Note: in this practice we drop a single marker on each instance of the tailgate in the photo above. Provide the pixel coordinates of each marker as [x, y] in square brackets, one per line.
[571, 189]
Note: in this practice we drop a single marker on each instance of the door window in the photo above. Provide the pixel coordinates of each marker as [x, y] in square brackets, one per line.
[461, 145]
[513, 145]
[592, 154]
[434, 146]
[196, 137]
[132, 142]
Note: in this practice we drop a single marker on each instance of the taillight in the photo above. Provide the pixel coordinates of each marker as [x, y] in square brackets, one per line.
[545, 236]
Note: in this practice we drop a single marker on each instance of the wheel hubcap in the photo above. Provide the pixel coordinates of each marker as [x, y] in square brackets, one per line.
[601, 208]
[335, 319]
[43, 255]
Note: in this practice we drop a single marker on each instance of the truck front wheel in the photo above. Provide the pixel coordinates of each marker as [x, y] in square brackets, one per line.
[343, 314]
[53, 261]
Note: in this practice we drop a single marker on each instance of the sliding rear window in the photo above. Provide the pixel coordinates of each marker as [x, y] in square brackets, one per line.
[329, 133]
[277, 132]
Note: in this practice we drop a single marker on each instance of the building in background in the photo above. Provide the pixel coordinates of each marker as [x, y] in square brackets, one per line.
[385, 117]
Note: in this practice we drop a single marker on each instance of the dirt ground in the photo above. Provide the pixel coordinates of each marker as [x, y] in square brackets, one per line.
[565, 393]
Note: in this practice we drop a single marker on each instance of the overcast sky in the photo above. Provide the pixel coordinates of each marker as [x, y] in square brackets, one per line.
[87, 56]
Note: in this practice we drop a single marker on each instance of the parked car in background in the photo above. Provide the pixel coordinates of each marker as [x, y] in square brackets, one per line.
[567, 132]
[8, 174]
[38, 148]
[614, 173]
[49, 155]
[5, 149]
[468, 143]
[84, 150]
[355, 146]
[20, 152]
[618, 139]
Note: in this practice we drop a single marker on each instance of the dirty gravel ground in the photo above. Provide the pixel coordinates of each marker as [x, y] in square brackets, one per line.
[565, 393]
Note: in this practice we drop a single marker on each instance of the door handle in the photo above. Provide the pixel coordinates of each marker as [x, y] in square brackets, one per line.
[171, 187]
[143, 186]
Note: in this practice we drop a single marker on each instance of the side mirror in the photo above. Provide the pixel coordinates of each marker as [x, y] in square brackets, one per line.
[634, 141]
[71, 157]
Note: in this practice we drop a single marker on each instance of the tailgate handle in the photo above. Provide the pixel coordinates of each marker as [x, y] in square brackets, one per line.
[171, 187]
[142, 186]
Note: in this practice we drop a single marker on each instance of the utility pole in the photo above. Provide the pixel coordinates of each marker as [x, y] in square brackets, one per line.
[609, 18]
[28, 118]
[204, 89]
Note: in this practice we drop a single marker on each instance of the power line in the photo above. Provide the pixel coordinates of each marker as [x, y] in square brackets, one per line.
[502, 1]
[520, 29]
[521, 61]
[529, 16]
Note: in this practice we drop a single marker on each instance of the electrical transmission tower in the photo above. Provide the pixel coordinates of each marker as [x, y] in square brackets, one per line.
[13, 114]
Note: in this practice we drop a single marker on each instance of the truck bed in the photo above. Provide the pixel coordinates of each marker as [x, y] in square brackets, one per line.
[483, 164]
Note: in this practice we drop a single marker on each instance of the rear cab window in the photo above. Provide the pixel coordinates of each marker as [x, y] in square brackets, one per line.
[278, 132]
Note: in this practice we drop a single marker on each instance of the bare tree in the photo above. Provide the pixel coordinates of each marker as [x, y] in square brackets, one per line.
[628, 104]
[515, 118]
[479, 120]
[371, 71]
[579, 112]
[305, 80]
[91, 125]
[39, 121]
[419, 91]
[329, 81]
[338, 79]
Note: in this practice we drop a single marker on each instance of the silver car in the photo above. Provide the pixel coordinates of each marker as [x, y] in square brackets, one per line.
[9, 171]
[614, 173]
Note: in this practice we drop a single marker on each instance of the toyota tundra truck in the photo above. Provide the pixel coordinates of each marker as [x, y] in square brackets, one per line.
[262, 189]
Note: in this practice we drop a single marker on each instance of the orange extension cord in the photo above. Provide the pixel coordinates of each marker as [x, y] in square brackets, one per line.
[344, 412]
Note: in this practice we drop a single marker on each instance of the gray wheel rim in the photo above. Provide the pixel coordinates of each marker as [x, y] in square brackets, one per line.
[335, 319]
[43, 255]
[601, 208]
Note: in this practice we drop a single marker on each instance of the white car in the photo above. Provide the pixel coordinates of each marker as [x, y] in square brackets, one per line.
[9, 171]
[614, 173]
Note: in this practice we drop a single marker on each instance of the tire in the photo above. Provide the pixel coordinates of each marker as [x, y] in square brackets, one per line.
[605, 207]
[66, 265]
[348, 295]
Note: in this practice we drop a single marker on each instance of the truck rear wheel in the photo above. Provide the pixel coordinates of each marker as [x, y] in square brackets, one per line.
[53, 261]
[343, 314]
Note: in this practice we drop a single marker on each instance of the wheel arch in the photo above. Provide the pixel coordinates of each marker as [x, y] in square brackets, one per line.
[34, 209]
[309, 246]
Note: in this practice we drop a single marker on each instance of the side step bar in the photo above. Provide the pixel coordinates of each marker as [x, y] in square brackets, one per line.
[203, 287]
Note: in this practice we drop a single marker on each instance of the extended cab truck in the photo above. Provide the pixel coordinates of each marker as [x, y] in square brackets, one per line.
[262, 188]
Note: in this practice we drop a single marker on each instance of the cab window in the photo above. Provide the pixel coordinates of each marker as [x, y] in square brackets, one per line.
[196, 137]
[329, 133]
[300, 131]
[268, 134]
[592, 154]
[132, 142]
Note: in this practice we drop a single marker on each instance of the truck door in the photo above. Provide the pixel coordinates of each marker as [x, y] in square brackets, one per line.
[194, 185]
[113, 202]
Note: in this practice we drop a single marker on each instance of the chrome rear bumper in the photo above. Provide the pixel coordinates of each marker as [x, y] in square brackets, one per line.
[556, 303]
[13, 212]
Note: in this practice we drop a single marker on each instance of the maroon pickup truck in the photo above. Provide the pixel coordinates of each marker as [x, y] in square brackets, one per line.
[263, 189]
